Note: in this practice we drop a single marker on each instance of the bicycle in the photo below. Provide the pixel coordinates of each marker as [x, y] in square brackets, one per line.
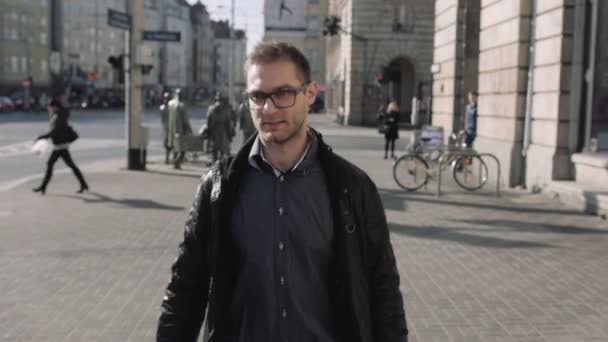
[414, 169]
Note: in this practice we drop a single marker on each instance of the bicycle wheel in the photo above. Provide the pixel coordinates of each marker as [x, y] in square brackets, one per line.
[471, 172]
[410, 172]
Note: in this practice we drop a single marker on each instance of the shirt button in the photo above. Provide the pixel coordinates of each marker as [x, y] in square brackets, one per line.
[281, 246]
[282, 280]
[281, 211]
[284, 314]
[282, 178]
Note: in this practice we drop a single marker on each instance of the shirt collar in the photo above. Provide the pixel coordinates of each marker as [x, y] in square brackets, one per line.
[259, 161]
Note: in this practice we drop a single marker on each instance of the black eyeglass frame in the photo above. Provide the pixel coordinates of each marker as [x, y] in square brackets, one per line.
[247, 96]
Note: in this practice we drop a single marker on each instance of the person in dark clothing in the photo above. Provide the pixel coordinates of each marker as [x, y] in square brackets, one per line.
[62, 135]
[391, 128]
[285, 241]
[471, 120]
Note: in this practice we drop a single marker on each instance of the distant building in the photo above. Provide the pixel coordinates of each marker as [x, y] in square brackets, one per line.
[86, 43]
[391, 35]
[25, 46]
[222, 58]
[299, 23]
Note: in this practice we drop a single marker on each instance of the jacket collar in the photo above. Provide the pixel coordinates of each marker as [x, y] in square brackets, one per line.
[239, 164]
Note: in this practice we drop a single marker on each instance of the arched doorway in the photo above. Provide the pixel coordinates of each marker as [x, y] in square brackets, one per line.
[402, 87]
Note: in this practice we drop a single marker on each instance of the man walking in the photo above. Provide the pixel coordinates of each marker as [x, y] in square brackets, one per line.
[286, 241]
[220, 127]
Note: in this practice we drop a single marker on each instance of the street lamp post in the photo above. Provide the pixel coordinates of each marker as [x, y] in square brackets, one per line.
[231, 57]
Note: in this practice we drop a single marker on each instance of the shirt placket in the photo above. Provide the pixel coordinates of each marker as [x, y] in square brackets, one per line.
[282, 258]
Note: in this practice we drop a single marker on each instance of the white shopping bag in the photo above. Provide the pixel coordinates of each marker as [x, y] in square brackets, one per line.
[42, 147]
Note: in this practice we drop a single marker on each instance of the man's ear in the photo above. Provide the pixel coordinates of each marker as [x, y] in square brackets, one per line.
[311, 92]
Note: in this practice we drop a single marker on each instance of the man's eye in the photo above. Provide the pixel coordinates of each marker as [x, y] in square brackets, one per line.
[256, 97]
[282, 93]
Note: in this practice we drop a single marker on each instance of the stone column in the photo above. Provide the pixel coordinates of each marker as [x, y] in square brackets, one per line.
[548, 156]
[503, 67]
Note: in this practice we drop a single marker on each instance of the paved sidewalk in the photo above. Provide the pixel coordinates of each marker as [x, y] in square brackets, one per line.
[93, 267]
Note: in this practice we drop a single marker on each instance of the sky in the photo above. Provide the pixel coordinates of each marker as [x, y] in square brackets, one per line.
[248, 15]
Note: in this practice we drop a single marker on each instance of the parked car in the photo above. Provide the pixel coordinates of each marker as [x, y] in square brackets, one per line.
[6, 104]
[18, 100]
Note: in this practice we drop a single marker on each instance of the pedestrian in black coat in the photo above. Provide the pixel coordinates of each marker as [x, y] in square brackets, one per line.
[62, 135]
[391, 129]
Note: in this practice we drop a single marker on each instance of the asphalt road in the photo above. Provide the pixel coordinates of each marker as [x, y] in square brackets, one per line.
[102, 137]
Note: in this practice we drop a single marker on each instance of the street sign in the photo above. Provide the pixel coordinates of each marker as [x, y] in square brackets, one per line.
[119, 19]
[162, 36]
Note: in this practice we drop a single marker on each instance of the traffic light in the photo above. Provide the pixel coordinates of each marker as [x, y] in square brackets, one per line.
[117, 63]
[382, 76]
[332, 26]
[388, 74]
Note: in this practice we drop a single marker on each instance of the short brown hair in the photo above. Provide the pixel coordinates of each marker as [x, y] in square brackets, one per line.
[272, 51]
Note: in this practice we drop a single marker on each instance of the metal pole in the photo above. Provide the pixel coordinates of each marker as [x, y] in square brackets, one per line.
[136, 157]
[231, 57]
[589, 76]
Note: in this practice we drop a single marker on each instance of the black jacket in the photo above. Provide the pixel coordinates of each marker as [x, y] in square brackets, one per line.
[60, 132]
[365, 288]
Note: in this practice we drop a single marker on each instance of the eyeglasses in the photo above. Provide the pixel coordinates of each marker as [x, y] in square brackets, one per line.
[281, 98]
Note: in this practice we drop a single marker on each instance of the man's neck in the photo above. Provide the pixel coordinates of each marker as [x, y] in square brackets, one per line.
[284, 156]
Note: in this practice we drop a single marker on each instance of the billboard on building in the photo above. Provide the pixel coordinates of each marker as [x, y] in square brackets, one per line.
[285, 15]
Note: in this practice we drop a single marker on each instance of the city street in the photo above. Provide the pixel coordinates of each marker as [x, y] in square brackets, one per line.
[101, 138]
[473, 267]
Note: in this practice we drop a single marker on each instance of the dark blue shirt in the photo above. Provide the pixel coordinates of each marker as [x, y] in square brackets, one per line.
[282, 230]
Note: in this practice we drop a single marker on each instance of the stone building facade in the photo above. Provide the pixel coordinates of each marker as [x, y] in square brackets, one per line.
[393, 34]
[301, 26]
[541, 70]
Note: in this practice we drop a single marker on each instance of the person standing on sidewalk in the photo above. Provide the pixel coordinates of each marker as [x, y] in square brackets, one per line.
[286, 241]
[470, 123]
[179, 124]
[391, 128]
[220, 127]
[164, 120]
[245, 122]
[62, 135]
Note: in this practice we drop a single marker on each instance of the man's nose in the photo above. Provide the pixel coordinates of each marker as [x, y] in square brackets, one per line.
[269, 106]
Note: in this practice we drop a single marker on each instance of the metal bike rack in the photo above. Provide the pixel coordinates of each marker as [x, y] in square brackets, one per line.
[468, 153]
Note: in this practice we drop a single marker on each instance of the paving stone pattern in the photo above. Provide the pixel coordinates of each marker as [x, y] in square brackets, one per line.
[473, 267]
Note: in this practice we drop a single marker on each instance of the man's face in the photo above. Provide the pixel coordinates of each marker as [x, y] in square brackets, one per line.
[472, 98]
[52, 109]
[279, 125]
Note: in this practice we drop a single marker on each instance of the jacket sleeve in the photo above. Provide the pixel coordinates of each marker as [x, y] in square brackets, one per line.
[386, 302]
[186, 296]
[52, 130]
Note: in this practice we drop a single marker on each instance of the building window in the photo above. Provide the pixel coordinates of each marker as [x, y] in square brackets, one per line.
[43, 38]
[44, 66]
[15, 64]
[313, 24]
[23, 64]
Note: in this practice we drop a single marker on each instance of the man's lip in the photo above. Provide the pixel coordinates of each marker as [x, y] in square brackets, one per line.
[272, 122]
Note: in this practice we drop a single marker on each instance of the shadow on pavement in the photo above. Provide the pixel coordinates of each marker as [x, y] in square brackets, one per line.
[391, 195]
[129, 202]
[461, 236]
[530, 227]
